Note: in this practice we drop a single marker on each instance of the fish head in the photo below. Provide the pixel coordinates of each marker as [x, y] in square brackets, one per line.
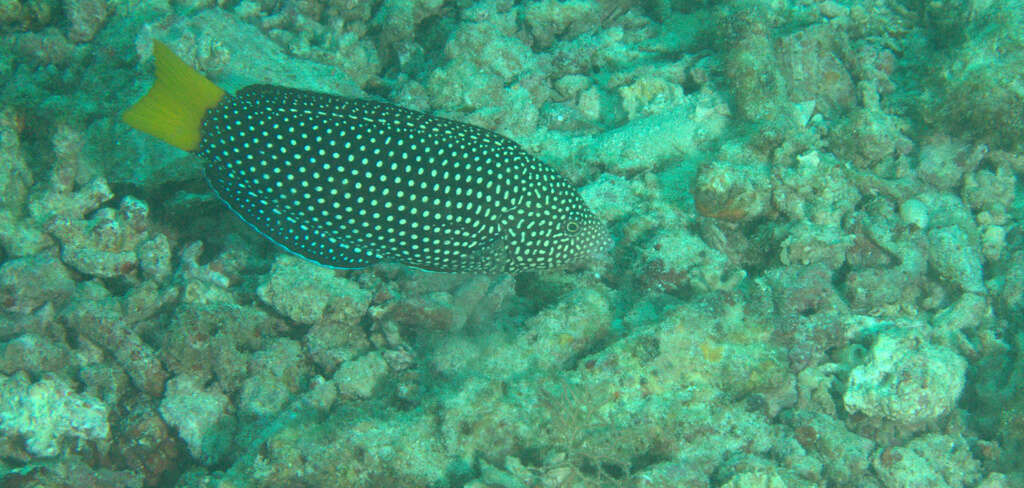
[554, 227]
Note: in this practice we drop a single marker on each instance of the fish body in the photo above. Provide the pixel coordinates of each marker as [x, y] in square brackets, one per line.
[348, 183]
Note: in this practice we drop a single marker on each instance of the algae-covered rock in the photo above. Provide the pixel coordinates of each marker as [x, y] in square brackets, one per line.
[721, 356]
[359, 377]
[649, 143]
[262, 396]
[15, 177]
[46, 411]
[1012, 295]
[751, 66]
[868, 137]
[19, 15]
[313, 295]
[990, 191]
[201, 416]
[846, 456]
[755, 480]
[906, 379]
[308, 294]
[931, 461]
[110, 322]
[35, 355]
[550, 19]
[29, 282]
[276, 373]
[561, 332]
[975, 85]
[649, 95]
[85, 17]
[144, 444]
[952, 254]
[809, 244]
[613, 197]
[212, 340]
[109, 243]
[675, 259]
[731, 191]
[814, 187]
[943, 161]
[811, 62]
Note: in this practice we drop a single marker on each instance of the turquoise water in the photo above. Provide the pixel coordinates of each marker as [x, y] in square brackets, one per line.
[817, 277]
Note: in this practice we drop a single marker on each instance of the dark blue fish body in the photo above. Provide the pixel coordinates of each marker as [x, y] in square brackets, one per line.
[347, 183]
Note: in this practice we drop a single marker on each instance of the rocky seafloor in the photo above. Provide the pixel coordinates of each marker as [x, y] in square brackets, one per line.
[818, 276]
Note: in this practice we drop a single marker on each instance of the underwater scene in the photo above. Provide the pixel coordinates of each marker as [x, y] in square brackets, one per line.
[512, 243]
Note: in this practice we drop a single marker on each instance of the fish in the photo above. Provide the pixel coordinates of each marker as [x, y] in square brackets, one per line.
[348, 182]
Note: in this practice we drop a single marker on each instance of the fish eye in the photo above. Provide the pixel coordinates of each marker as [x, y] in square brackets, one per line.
[572, 227]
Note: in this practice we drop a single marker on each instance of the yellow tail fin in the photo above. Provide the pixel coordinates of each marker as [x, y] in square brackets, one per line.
[174, 108]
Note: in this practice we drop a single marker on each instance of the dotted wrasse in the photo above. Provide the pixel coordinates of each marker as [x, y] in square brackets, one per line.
[347, 183]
